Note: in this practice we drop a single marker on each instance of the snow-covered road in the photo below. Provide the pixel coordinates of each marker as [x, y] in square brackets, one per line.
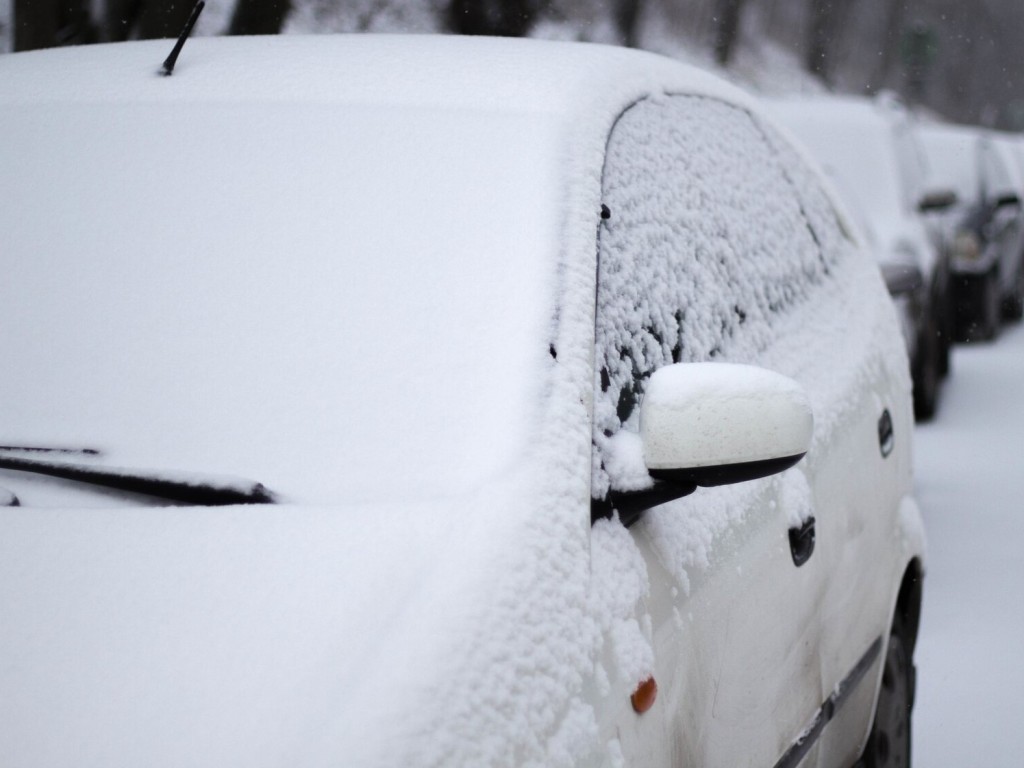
[970, 485]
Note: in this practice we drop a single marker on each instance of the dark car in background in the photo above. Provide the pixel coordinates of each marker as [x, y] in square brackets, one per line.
[983, 230]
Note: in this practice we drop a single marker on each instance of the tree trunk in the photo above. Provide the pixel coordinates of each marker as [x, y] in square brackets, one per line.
[504, 18]
[35, 24]
[145, 19]
[892, 36]
[727, 29]
[627, 20]
[259, 17]
[48, 23]
[826, 19]
[163, 19]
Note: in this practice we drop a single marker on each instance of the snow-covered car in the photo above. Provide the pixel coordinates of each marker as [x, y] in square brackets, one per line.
[870, 151]
[379, 401]
[984, 228]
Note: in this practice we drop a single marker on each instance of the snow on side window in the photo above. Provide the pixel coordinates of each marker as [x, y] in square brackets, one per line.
[706, 248]
[825, 223]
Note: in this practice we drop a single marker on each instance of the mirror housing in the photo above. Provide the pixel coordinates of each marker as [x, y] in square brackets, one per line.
[1010, 198]
[709, 424]
[936, 201]
[902, 279]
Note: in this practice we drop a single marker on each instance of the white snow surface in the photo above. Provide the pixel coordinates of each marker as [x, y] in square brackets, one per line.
[854, 140]
[952, 155]
[969, 485]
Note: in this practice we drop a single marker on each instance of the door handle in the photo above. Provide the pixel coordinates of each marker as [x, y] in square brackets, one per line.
[801, 542]
[886, 438]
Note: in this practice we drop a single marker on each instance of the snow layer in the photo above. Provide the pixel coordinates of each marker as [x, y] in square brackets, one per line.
[253, 284]
[969, 483]
[866, 149]
[952, 156]
[759, 274]
[716, 256]
[234, 284]
[473, 627]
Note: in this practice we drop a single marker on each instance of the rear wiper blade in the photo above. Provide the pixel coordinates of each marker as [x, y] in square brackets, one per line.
[198, 491]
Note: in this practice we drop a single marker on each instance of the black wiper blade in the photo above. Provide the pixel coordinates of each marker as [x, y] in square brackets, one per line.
[205, 492]
[8, 499]
[49, 449]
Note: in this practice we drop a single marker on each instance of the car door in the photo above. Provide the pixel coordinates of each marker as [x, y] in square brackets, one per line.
[718, 243]
[860, 467]
[704, 252]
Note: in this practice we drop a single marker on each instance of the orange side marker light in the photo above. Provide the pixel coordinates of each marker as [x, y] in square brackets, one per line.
[645, 694]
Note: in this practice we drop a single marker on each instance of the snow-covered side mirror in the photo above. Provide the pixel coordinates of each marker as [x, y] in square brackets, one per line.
[936, 201]
[718, 423]
[902, 279]
[1007, 200]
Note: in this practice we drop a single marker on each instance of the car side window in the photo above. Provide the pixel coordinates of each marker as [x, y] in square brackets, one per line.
[995, 178]
[826, 225]
[704, 248]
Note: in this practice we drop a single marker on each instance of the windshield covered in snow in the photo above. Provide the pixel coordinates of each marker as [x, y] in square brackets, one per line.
[300, 294]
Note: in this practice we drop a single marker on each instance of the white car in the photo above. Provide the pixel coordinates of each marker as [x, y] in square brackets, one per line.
[871, 152]
[581, 421]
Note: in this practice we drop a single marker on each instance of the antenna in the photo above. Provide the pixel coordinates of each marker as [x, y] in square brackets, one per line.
[171, 60]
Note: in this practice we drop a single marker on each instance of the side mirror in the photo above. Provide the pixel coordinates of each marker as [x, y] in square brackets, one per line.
[705, 424]
[718, 423]
[1008, 199]
[936, 201]
[902, 279]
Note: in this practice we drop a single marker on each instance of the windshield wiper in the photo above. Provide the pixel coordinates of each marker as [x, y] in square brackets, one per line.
[186, 489]
[49, 449]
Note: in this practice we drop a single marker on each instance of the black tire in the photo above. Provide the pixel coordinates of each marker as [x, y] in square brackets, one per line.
[1013, 304]
[927, 373]
[945, 352]
[889, 744]
[991, 309]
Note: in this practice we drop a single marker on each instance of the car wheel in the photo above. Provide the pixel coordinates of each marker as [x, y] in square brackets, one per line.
[1013, 305]
[945, 322]
[991, 315]
[888, 745]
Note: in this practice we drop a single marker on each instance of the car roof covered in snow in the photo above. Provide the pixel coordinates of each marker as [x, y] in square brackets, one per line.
[457, 72]
[864, 146]
[952, 155]
[239, 267]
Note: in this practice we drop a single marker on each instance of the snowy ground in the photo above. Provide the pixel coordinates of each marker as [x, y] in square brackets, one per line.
[970, 483]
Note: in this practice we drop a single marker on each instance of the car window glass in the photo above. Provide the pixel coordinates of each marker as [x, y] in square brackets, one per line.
[826, 225]
[995, 178]
[910, 161]
[705, 248]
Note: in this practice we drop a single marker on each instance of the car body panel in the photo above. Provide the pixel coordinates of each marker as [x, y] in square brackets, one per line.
[872, 152]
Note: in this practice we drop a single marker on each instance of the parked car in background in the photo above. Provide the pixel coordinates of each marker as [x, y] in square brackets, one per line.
[984, 229]
[580, 415]
[870, 151]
